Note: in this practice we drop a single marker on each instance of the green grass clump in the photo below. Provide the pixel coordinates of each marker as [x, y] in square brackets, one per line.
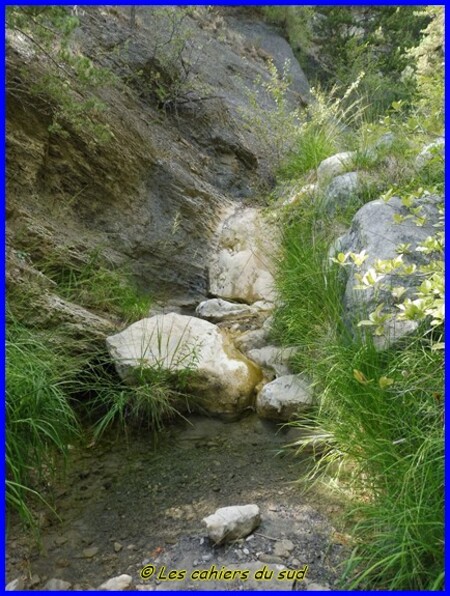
[40, 421]
[314, 145]
[380, 412]
[92, 285]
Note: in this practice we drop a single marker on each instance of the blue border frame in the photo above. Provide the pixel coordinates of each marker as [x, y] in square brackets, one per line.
[3, 131]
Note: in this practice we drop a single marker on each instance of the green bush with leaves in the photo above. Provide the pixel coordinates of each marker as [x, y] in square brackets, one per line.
[61, 77]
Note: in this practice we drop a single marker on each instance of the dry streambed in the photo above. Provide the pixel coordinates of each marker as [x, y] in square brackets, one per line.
[127, 505]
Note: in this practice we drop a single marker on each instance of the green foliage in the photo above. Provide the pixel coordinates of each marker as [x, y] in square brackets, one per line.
[39, 418]
[334, 44]
[276, 127]
[62, 78]
[324, 130]
[381, 412]
[92, 285]
[429, 69]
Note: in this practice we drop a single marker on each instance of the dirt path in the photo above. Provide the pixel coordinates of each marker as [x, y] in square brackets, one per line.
[125, 505]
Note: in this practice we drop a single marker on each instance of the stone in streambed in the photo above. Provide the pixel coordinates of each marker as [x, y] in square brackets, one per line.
[57, 585]
[117, 584]
[284, 398]
[232, 523]
[223, 380]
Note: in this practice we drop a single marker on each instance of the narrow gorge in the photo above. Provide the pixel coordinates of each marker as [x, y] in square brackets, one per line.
[222, 286]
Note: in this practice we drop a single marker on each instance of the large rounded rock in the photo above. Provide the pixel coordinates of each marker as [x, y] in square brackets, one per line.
[374, 230]
[284, 398]
[241, 269]
[224, 380]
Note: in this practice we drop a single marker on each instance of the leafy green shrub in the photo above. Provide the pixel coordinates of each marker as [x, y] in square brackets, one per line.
[324, 130]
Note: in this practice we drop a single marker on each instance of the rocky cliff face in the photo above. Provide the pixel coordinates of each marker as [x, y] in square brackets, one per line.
[152, 197]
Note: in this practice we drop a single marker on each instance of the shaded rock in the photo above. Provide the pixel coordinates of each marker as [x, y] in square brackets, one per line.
[374, 230]
[218, 309]
[57, 585]
[341, 191]
[251, 340]
[118, 583]
[284, 398]
[232, 523]
[333, 166]
[242, 267]
[437, 147]
[90, 552]
[223, 380]
[283, 548]
[273, 358]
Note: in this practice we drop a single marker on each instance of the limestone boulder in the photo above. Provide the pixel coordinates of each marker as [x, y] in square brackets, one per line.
[284, 398]
[334, 166]
[232, 523]
[222, 380]
[341, 190]
[273, 359]
[374, 230]
[220, 310]
[117, 584]
[242, 267]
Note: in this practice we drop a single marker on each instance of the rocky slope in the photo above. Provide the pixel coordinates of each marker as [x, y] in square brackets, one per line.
[151, 198]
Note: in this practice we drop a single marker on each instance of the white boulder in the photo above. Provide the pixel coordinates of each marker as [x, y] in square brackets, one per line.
[232, 523]
[284, 398]
[117, 584]
[333, 166]
[375, 231]
[223, 380]
[242, 267]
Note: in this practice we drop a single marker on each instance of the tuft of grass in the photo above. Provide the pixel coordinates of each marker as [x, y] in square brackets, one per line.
[314, 145]
[92, 285]
[40, 421]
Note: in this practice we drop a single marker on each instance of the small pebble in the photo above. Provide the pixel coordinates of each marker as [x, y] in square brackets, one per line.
[56, 585]
[34, 580]
[117, 547]
[88, 553]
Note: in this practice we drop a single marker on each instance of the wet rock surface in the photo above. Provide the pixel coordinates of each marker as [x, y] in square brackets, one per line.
[152, 500]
